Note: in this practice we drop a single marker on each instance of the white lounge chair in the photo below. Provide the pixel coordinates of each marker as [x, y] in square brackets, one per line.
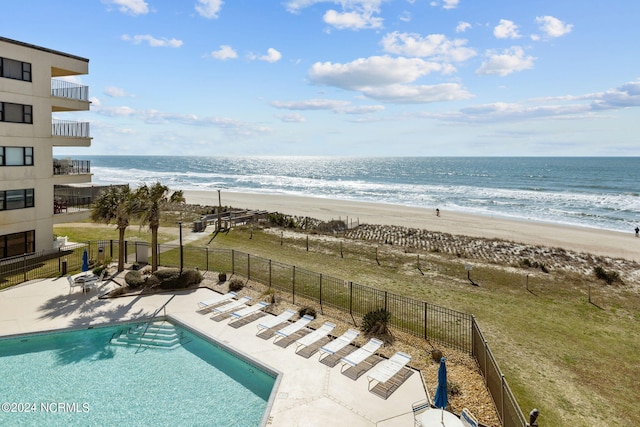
[361, 354]
[293, 328]
[384, 371]
[248, 311]
[209, 303]
[338, 344]
[467, 419]
[315, 336]
[230, 306]
[274, 321]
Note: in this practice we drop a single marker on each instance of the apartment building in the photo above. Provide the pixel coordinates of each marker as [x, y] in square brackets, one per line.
[33, 102]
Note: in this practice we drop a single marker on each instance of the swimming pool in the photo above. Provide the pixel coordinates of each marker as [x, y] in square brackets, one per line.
[80, 378]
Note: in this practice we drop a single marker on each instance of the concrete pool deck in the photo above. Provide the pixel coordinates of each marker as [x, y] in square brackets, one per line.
[309, 394]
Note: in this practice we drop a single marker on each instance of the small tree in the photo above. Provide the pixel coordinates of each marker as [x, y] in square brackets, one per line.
[116, 204]
[152, 200]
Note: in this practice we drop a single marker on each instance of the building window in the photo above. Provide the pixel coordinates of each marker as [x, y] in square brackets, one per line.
[16, 156]
[16, 199]
[17, 244]
[12, 69]
[16, 113]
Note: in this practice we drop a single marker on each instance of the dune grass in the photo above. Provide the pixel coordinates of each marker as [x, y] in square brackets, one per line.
[573, 359]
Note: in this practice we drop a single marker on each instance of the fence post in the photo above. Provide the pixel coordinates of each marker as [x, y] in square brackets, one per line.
[206, 263]
[502, 397]
[321, 293]
[425, 319]
[248, 267]
[385, 301]
[351, 298]
[24, 267]
[269, 273]
[233, 261]
[293, 285]
[111, 248]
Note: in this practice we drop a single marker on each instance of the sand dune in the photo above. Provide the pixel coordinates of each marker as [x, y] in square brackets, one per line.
[599, 242]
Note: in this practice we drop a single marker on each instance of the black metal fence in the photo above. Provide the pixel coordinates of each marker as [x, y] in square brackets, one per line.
[429, 321]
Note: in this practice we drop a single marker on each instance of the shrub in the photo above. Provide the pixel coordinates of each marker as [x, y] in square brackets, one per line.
[608, 276]
[222, 277]
[236, 285]
[453, 388]
[376, 323]
[308, 311]
[171, 278]
[270, 296]
[134, 279]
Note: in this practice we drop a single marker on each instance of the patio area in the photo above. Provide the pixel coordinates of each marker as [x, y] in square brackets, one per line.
[310, 393]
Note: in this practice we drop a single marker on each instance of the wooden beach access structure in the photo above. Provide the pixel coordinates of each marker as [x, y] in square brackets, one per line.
[232, 218]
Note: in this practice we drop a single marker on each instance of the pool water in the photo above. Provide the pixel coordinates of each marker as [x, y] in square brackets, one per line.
[78, 378]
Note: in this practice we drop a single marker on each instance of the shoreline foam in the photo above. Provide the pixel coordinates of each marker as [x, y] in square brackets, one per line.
[599, 242]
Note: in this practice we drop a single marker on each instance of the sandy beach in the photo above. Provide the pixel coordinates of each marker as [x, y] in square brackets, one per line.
[594, 241]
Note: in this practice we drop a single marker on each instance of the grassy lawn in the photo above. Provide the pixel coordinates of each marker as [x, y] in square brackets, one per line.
[573, 359]
[108, 232]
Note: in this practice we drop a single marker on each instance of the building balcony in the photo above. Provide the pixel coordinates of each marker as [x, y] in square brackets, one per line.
[68, 90]
[70, 129]
[71, 167]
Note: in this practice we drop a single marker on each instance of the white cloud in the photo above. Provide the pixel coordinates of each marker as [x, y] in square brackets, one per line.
[209, 8]
[352, 20]
[506, 30]
[450, 4]
[627, 95]
[272, 55]
[372, 71]
[153, 42]
[433, 45]
[232, 128]
[462, 27]
[225, 52]
[418, 94]
[339, 107]
[291, 118]
[561, 107]
[116, 92]
[446, 4]
[355, 14]
[505, 63]
[385, 78]
[553, 27]
[311, 104]
[133, 7]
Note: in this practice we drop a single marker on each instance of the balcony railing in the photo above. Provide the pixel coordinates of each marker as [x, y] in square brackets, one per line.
[70, 128]
[71, 167]
[64, 89]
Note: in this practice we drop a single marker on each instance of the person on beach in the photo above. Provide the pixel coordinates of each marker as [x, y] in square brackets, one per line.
[637, 231]
[438, 214]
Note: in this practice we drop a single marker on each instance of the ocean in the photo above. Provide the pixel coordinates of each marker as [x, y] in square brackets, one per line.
[595, 192]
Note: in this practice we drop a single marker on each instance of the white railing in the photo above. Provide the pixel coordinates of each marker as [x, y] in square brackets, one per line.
[65, 89]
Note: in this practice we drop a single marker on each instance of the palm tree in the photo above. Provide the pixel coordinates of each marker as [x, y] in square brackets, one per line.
[152, 200]
[116, 204]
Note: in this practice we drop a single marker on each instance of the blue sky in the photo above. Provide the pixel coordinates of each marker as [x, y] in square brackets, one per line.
[350, 77]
